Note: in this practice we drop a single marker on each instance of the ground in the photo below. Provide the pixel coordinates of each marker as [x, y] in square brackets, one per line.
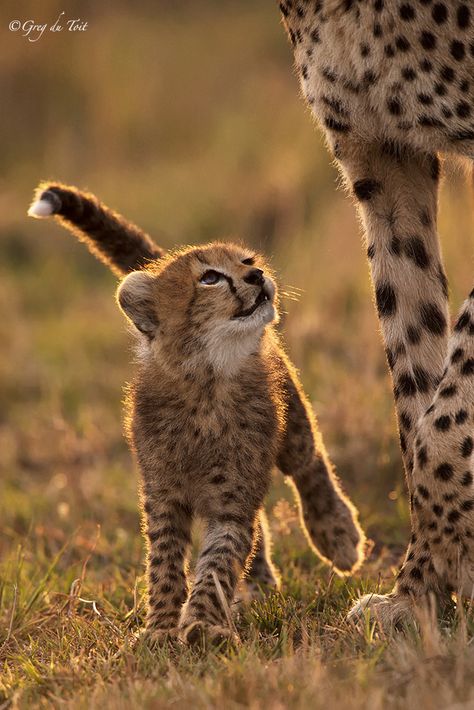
[226, 148]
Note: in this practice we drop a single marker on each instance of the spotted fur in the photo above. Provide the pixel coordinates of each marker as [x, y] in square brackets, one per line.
[391, 82]
[214, 406]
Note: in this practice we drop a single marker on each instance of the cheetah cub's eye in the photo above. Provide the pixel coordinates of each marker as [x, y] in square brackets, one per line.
[248, 262]
[210, 277]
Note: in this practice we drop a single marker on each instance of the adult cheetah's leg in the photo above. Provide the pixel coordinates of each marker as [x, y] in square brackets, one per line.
[168, 526]
[261, 575]
[327, 516]
[440, 557]
[397, 194]
[228, 543]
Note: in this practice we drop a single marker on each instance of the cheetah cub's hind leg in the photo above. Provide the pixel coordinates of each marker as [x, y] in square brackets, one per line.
[262, 577]
[440, 557]
[327, 516]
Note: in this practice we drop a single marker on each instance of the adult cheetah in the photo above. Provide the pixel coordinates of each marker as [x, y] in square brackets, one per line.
[392, 83]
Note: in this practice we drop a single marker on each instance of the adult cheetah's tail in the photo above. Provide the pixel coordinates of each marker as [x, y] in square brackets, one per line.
[109, 236]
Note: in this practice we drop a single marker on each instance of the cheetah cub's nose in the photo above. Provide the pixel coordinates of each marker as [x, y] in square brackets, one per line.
[255, 277]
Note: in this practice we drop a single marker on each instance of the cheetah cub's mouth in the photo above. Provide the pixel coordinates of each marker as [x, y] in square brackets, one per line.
[266, 295]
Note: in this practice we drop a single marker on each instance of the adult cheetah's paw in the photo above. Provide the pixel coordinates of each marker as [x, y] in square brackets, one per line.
[203, 635]
[388, 610]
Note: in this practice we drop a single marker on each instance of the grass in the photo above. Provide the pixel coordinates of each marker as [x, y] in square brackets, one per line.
[189, 122]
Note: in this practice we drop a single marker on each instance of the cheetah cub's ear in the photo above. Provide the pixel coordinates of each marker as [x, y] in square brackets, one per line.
[135, 296]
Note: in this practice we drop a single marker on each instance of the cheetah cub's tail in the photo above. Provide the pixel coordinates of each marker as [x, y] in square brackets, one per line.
[109, 236]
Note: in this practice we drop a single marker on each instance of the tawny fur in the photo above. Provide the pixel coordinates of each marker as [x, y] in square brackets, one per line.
[392, 84]
[214, 406]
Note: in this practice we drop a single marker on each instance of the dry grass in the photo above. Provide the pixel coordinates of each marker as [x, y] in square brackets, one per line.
[189, 123]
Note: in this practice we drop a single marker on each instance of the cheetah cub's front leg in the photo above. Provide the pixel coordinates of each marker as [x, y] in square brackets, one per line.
[168, 525]
[227, 545]
[327, 516]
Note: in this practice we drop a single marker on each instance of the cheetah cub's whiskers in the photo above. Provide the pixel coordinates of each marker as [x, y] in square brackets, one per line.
[214, 407]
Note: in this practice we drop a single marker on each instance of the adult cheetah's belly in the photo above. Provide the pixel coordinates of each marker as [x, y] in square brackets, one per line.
[390, 70]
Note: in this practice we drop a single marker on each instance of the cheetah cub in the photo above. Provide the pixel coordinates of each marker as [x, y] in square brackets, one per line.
[215, 405]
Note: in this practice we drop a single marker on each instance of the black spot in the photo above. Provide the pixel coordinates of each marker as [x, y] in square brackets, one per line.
[457, 355]
[448, 391]
[434, 167]
[458, 50]
[408, 74]
[364, 50]
[423, 491]
[468, 367]
[416, 573]
[466, 447]
[440, 89]
[377, 30]
[427, 40]
[329, 75]
[444, 472]
[462, 322]
[425, 99]
[403, 443]
[429, 122]
[443, 423]
[416, 251]
[443, 281]
[405, 421]
[407, 12]
[426, 66]
[390, 358]
[463, 109]
[439, 13]
[461, 416]
[467, 505]
[366, 189]
[395, 245]
[432, 318]
[402, 43]
[394, 106]
[463, 16]
[386, 299]
[422, 457]
[371, 251]
[447, 73]
[422, 378]
[438, 510]
[406, 385]
[335, 125]
[453, 516]
[413, 335]
[467, 479]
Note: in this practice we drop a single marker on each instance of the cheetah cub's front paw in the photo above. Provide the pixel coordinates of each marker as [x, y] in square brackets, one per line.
[388, 610]
[204, 635]
[338, 537]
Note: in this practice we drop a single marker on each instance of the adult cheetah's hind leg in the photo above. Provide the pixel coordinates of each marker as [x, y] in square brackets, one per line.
[328, 518]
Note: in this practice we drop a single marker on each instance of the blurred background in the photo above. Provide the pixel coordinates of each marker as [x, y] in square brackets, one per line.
[185, 117]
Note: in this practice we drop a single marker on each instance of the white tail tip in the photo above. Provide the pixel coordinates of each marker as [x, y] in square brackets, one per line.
[41, 209]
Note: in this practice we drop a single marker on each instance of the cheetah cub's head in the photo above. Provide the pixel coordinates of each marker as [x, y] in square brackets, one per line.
[208, 303]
